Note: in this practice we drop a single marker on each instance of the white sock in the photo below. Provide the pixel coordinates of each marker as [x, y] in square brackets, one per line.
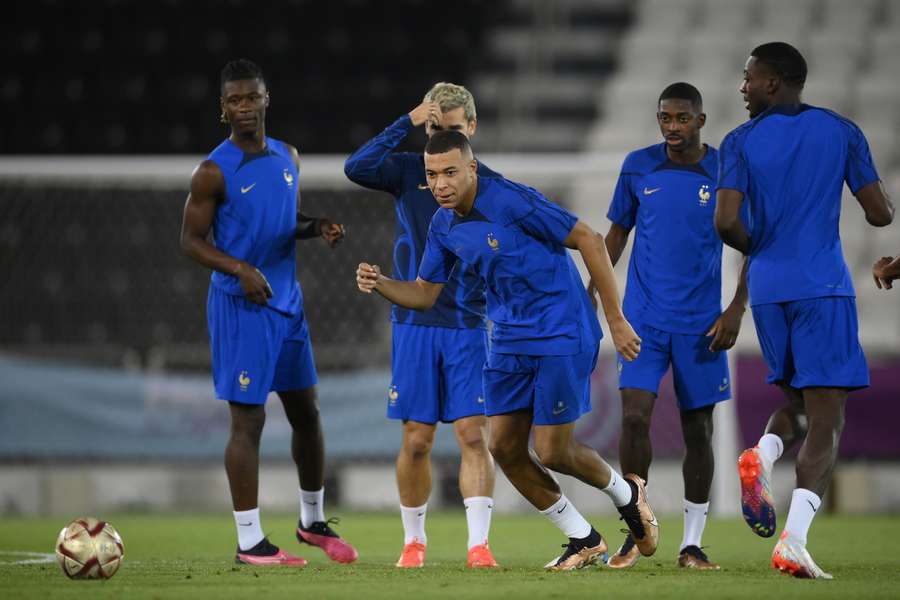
[804, 505]
[565, 516]
[694, 522]
[249, 528]
[478, 517]
[618, 489]
[414, 523]
[771, 447]
[312, 506]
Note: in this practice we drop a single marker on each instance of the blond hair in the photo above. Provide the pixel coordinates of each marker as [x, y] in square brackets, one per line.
[450, 96]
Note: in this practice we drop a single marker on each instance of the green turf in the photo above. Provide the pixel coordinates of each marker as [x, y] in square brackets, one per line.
[191, 557]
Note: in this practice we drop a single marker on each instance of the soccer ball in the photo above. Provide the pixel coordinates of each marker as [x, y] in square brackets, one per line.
[88, 548]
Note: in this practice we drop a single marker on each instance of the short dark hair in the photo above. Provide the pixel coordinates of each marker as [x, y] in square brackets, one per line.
[682, 91]
[235, 70]
[784, 60]
[446, 140]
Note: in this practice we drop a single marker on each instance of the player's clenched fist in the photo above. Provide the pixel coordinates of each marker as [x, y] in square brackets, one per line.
[427, 111]
[626, 341]
[367, 277]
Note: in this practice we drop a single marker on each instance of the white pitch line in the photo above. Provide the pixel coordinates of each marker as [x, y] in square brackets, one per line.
[37, 557]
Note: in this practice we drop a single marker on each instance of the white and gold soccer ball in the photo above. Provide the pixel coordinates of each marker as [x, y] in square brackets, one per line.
[88, 548]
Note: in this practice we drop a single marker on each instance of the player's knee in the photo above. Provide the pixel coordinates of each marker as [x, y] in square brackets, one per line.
[636, 424]
[553, 456]
[505, 452]
[471, 438]
[417, 446]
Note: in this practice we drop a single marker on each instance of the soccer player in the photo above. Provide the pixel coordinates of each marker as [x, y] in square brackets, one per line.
[790, 161]
[246, 195]
[885, 270]
[673, 299]
[544, 339]
[437, 354]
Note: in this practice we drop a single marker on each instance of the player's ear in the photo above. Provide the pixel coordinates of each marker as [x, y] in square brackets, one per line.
[701, 120]
[471, 127]
[267, 99]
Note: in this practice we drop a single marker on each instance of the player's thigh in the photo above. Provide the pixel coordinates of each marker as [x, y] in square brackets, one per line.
[563, 387]
[415, 390]
[508, 381]
[701, 377]
[244, 343]
[296, 366]
[825, 344]
[647, 370]
[463, 354]
[774, 334]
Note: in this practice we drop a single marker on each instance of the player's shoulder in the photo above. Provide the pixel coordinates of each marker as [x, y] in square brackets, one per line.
[225, 158]
[822, 114]
[283, 148]
[441, 220]
[643, 160]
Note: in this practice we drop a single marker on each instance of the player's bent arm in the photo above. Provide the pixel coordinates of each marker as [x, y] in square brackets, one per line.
[876, 204]
[592, 248]
[728, 220]
[417, 295]
[207, 190]
[616, 240]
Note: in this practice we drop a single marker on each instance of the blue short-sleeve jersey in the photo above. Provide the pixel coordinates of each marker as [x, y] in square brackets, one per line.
[791, 162]
[402, 174]
[257, 221]
[513, 239]
[675, 272]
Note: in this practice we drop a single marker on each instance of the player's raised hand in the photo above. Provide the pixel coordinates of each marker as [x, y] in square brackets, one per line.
[332, 233]
[427, 111]
[367, 276]
[882, 279]
[255, 285]
[626, 341]
[724, 331]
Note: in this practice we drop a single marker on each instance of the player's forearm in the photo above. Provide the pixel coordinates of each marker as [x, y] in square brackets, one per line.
[593, 251]
[307, 227]
[615, 242]
[740, 293]
[209, 256]
[409, 294]
[364, 166]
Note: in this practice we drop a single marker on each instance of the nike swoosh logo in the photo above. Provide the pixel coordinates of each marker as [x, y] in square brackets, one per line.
[244, 190]
[647, 192]
[811, 506]
[724, 387]
[563, 508]
[420, 514]
[311, 503]
[561, 410]
[249, 524]
[422, 186]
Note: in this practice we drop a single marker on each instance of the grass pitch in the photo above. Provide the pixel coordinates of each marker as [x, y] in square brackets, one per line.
[192, 557]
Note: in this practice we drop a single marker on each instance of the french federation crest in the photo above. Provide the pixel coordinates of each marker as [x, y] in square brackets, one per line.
[289, 178]
[704, 195]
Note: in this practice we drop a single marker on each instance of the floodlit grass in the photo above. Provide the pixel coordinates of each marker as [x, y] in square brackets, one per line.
[192, 557]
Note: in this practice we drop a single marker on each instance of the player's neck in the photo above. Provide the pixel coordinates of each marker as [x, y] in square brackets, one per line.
[468, 202]
[250, 143]
[688, 156]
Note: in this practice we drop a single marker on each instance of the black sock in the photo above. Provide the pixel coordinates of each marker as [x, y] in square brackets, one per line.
[592, 539]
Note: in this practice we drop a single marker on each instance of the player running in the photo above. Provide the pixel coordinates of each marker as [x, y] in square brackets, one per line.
[247, 195]
[673, 299]
[437, 354]
[790, 162]
[545, 334]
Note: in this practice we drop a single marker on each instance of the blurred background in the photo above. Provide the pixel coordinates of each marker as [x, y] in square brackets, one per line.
[106, 401]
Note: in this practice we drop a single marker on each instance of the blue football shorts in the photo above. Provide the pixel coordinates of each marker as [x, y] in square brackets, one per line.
[256, 350]
[701, 377]
[436, 373]
[812, 343]
[556, 389]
